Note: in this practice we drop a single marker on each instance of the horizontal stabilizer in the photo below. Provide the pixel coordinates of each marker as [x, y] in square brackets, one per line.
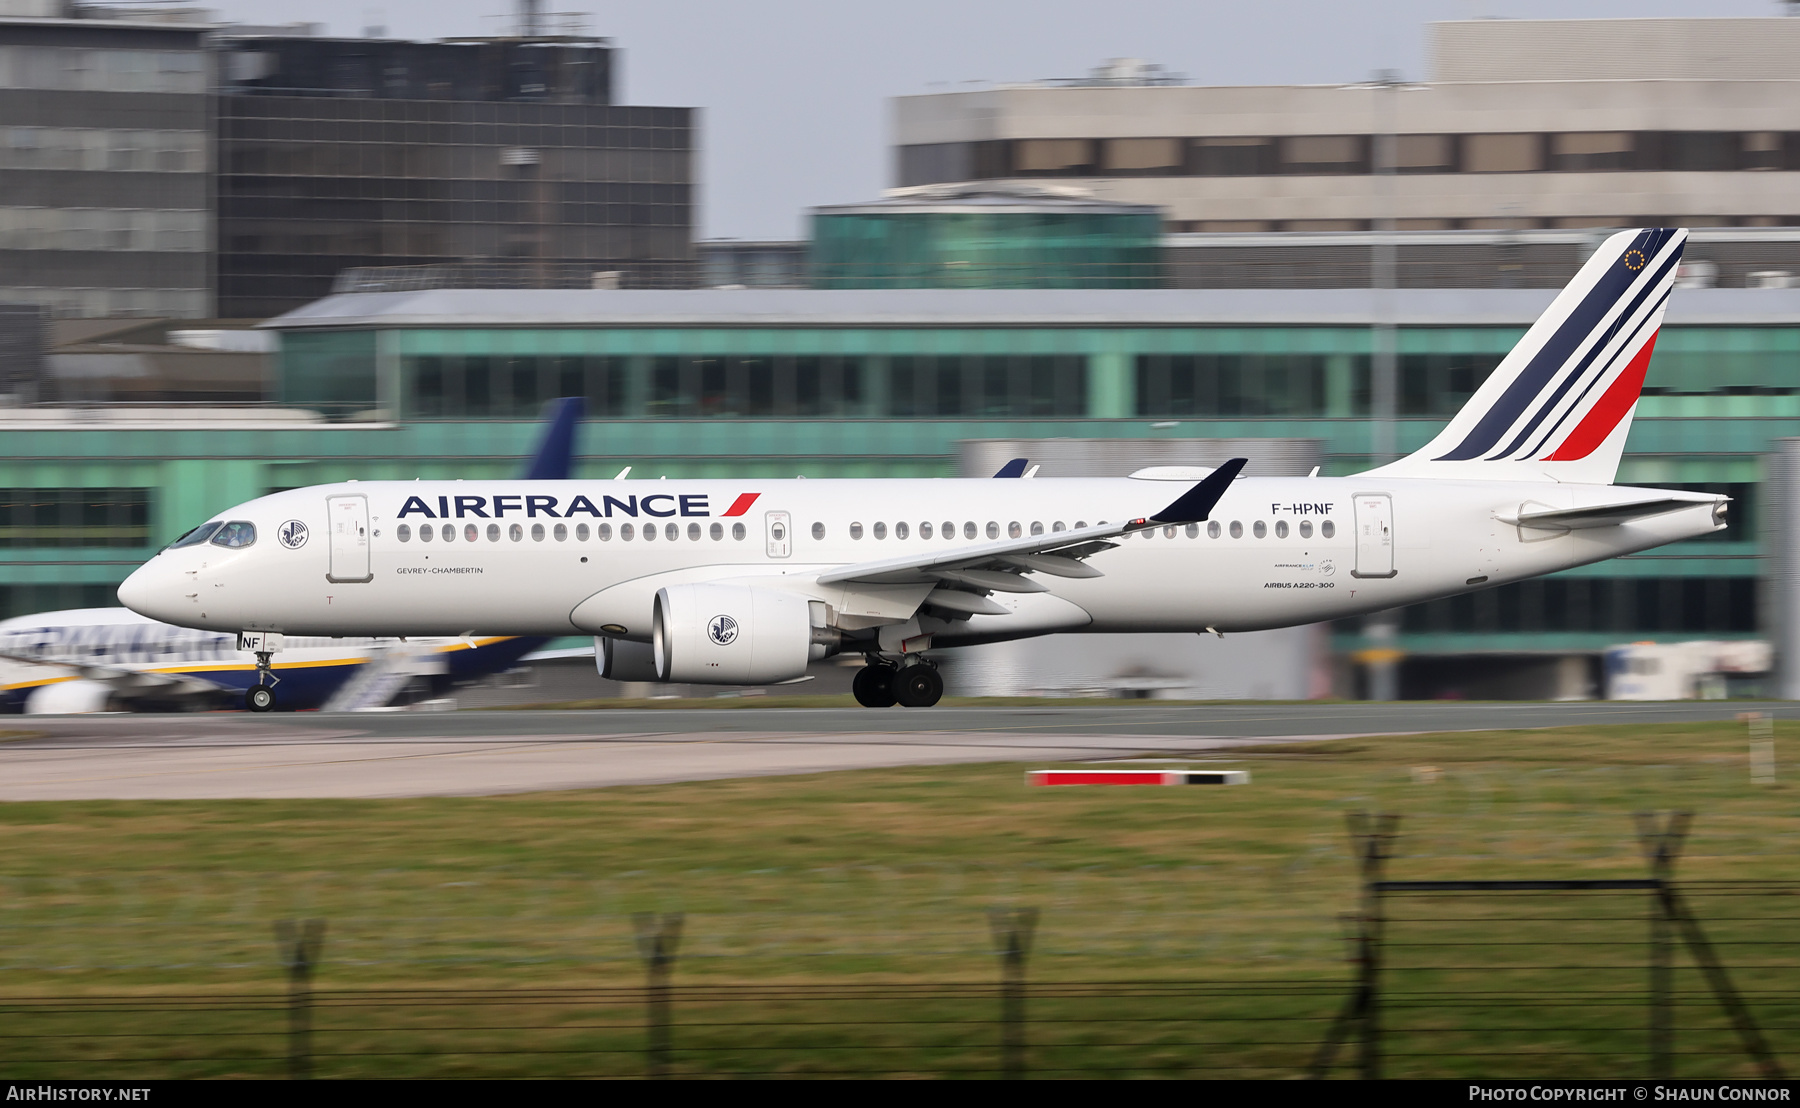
[1599, 515]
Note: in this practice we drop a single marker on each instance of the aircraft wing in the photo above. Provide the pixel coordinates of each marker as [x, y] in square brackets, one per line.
[1001, 566]
[124, 680]
[1600, 515]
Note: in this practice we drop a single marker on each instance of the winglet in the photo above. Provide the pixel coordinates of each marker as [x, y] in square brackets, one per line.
[555, 457]
[1014, 468]
[1193, 505]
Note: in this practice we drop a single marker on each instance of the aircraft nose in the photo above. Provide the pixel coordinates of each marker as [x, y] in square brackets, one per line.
[151, 590]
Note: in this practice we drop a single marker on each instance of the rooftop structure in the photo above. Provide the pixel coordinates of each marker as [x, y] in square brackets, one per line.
[986, 235]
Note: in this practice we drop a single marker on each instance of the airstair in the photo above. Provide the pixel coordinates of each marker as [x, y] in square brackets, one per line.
[374, 685]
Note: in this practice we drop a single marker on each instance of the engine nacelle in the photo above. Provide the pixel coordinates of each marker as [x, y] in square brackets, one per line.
[623, 660]
[717, 634]
[68, 698]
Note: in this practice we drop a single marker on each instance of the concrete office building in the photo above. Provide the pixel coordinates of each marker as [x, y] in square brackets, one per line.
[104, 171]
[1519, 124]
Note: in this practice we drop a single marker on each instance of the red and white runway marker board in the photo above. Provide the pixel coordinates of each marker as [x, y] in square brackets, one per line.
[1137, 777]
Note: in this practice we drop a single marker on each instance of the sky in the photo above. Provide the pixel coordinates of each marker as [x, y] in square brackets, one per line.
[793, 93]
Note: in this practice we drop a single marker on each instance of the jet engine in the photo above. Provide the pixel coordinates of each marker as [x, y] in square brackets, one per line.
[624, 660]
[719, 634]
[68, 698]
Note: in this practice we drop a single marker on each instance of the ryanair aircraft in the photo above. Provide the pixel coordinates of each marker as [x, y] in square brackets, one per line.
[110, 659]
[746, 582]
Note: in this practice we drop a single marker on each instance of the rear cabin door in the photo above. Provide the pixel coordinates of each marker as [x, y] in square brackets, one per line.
[349, 520]
[1374, 535]
[781, 539]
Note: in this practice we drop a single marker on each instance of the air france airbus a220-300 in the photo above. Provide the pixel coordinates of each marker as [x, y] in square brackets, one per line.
[745, 582]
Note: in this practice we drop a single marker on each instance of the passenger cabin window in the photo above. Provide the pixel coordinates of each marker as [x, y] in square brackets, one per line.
[925, 530]
[880, 530]
[1327, 529]
[404, 533]
[236, 534]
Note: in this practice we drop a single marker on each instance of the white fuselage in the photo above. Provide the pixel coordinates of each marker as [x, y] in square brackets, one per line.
[1288, 551]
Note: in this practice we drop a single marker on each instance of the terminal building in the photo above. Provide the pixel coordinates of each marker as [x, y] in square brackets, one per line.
[896, 382]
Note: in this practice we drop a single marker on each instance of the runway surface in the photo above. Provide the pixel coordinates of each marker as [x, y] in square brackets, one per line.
[230, 755]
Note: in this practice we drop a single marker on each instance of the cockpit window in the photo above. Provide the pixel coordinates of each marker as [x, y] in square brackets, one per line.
[236, 534]
[197, 536]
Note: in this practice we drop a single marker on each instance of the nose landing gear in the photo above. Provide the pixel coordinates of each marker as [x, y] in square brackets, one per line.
[881, 684]
[260, 697]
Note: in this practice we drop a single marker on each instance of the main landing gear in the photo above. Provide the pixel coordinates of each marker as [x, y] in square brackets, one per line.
[260, 697]
[880, 684]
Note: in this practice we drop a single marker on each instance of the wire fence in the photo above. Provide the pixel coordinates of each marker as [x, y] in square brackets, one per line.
[1074, 974]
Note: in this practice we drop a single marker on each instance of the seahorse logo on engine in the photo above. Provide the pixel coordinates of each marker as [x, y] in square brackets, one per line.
[722, 630]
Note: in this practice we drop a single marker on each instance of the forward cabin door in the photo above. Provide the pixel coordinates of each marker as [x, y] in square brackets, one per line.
[349, 522]
[781, 541]
[1374, 535]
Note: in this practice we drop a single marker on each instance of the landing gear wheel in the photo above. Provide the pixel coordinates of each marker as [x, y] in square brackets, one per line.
[874, 686]
[918, 686]
[260, 698]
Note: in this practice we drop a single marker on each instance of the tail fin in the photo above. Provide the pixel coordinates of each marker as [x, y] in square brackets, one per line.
[555, 457]
[1559, 405]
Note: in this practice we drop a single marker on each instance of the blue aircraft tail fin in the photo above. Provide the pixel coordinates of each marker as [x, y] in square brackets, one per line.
[1014, 468]
[555, 457]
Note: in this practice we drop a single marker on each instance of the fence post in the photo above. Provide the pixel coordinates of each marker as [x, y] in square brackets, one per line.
[1661, 845]
[1013, 929]
[657, 940]
[1370, 838]
[1375, 837]
[299, 944]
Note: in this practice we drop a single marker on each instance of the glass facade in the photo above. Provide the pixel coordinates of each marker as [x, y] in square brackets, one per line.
[340, 154]
[86, 505]
[74, 517]
[1231, 373]
[980, 249]
[1312, 155]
